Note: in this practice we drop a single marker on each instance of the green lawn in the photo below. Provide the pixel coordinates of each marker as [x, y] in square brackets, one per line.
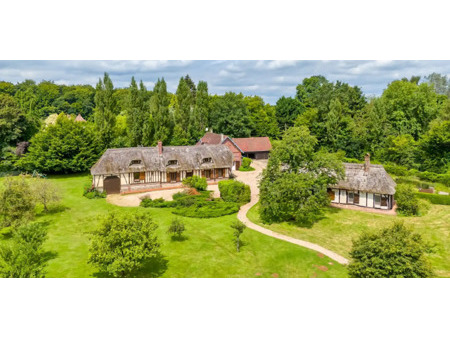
[208, 250]
[338, 227]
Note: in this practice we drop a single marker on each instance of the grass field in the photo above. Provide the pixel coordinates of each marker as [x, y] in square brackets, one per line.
[208, 250]
[338, 227]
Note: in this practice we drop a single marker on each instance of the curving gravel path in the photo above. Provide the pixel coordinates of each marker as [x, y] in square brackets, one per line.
[251, 178]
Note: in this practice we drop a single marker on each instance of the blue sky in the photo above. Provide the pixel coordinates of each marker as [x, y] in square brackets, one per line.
[268, 79]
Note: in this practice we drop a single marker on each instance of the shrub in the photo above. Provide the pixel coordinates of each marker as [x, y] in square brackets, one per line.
[245, 166]
[17, 202]
[207, 209]
[124, 243]
[156, 203]
[389, 253]
[407, 202]
[91, 193]
[435, 198]
[176, 228]
[234, 191]
[22, 256]
[196, 182]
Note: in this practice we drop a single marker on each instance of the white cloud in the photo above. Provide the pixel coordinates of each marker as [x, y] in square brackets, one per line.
[269, 79]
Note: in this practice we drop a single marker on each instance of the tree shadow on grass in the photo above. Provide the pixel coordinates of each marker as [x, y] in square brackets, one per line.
[181, 238]
[152, 268]
[53, 209]
[308, 224]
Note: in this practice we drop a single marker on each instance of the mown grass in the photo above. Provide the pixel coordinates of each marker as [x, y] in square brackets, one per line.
[206, 251]
[338, 227]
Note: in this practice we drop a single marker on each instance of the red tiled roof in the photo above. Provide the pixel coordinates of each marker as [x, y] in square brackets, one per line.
[212, 138]
[250, 144]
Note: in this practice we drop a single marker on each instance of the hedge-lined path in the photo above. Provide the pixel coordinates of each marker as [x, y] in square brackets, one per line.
[251, 178]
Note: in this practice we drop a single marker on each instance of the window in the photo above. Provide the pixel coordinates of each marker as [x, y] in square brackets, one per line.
[207, 160]
[172, 162]
[220, 172]
[139, 176]
[135, 162]
[207, 174]
[384, 200]
[189, 173]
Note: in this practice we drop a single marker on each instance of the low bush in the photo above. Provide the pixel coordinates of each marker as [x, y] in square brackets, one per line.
[234, 191]
[157, 203]
[245, 166]
[435, 198]
[196, 182]
[423, 175]
[407, 201]
[91, 193]
[207, 209]
[176, 228]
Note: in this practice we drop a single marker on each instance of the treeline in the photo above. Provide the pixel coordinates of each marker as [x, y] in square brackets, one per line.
[408, 125]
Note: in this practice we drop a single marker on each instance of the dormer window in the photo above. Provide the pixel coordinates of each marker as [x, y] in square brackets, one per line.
[135, 162]
[172, 162]
[207, 160]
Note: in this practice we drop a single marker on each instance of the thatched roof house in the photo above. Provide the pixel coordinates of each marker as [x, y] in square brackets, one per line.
[366, 184]
[157, 165]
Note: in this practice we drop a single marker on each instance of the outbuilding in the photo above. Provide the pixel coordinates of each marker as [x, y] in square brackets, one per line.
[366, 185]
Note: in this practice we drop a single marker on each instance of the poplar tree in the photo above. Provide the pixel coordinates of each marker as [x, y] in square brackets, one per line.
[159, 109]
[201, 111]
[105, 110]
[137, 113]
[182, 113]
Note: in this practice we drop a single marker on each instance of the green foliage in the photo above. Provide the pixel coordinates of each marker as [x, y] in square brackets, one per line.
[17, 202]
[22, 256]
[105, 111]
[435, 198]
[435, 147]
[262, 117]
[230, 116]
[176, 228]
[160, 128]
[138, 113]
[406, 199]
[90, 192]
[234, 191]
[196, 182]
[65, 147]
[239, 228]
[294, 185]
[287, 111]
[401, 150]
[207, 209]
[393, 252]
[246, 162]
[124, 243]
[45, 192]
[15, 125]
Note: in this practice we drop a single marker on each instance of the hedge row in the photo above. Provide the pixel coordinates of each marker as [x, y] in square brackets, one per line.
[424, 175]
[435, 198]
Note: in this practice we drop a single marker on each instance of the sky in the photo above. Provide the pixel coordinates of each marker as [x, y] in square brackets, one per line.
[268, 79]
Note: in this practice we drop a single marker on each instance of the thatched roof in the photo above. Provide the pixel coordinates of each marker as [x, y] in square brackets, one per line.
[375, 180]
[125, 160]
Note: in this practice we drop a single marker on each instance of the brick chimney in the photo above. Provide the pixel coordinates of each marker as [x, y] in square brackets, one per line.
[367, 162]
[160, 148]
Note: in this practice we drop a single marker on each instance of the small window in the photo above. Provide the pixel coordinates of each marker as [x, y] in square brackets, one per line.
[207, 160]
[172, 162]
[136, 162]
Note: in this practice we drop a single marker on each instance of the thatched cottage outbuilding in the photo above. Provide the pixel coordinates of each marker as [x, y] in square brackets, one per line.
[366, 185]
[126, 169]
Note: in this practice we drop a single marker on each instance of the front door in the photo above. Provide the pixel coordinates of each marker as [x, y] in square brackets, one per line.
[173, 177]
[111, 185]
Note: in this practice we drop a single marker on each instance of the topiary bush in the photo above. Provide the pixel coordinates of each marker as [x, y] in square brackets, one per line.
[407, 201]
[234, 191]
[196, 182]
